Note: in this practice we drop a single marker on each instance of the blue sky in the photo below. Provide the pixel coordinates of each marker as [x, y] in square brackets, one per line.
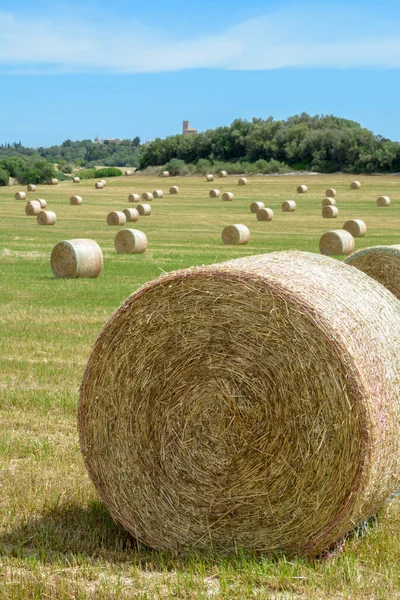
[79, 69]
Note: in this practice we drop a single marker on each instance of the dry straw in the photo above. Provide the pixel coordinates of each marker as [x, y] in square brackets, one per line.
[357, 227]
[337, 242]
[382, 263]
[46, 217]
[31, 187]
[289, 206]
[42, 202]
[75, 200]
[133, 198]
[355, 185]
[147, 196]
[165, 174]
[242, 181]
[222, 174]
[158, 194]
[20, 196]
[116, 217]
[328, 202]
[174, 189]
[330, 193]
[214, 193]
[144, 209]
[210, 177]
[130, 241]
[227, 196]
[76, 179]
[255, 206]
[128, 173]
[330, 212]
[301, 189]
[235, 234]
[99, 185]
[54, 181]
[265, 214]
[383, 201]
[103, 181]
[33, 208]
[131, 214]
[76, 258]
[252, 404]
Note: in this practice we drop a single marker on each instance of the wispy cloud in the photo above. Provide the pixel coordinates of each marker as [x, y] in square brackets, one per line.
[286, 38]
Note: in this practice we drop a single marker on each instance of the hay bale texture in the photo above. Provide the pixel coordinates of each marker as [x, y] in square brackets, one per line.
[383, 201]
[214, 193]
[165, 174]
[222, 174]
[174, 189]
[71, 259]
[130, 241]
[131, 214]
[382, 263]
[227, 196]
[357, 227]
[235, 234]
[252, 404]
[337, 242]
[99, 185]
[355, 185]
[328, 202]
[330, 193]
[289, 206]
[144, 209]
[133, 198]
[46, 217]
[75, 200]
[330, 212]
[265, 214]
[242, 181]
[20, 196]
[147, 196]
[31, 187]
[116, 217]
[210, 177]
[33, 208]
[54, 181]
[301, 189]
[255, 206]
[158, 194]
[76, 179]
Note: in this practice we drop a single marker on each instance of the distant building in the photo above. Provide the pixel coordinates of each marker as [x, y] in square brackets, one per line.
[97, 140]
[187, 130]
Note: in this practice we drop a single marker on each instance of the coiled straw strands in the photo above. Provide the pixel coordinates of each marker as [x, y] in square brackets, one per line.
[242, 181]
[330, 212]
[75, 200]
[357, 227]
[265, 214]
[251, 404]
[255, 206]
[210, 177]
[130, 241]
[99, 185]
[20, 196]
[46, 217]
[133, 198]
[174, 189]
[31, 187]
[382, 263]
[289, 206]
[76, 179]
[355, 185]
[235, 234]
[227, 196]
[328, 202]
[158, 194]
[71, 259]
[214, 193]
[42, 202]
[147, 196]
[116, 217]
[33, 208]
[336, 242]
[131, 214]
[222, 174]
[301, 189]
[383, 201]
[330, 193]
[144, 209]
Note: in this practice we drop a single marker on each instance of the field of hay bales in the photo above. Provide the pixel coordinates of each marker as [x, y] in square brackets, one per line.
[57, 539]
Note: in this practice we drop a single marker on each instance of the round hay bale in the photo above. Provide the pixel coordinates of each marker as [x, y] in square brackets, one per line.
[250, 404]
[130, 241]
[75, 200]
[357, 227]
[128, 173]
[54, 181]
[31, 187]
[174, 189]
[147, 196]
[235, 234]
[355, 185]
[131, 214]
[46, 217]
[301, 189]
[330, 193]
[210, 177]
[116, 217]
[222, 174]
[255, 206]
[42, 202]
[33, 208]
[330, 212]
[76, 179]
[71, 259]
[165, 174]
[265, 214]
[382, 263]
[20, 196]
[133, 198]
[214, 193]
[328, 202]
[144, 209]
[242, 181]
[383, 201]
[158, 194]
[289, 206]
[103, 181]
[99, 185]
[336, 242]
[227, 196]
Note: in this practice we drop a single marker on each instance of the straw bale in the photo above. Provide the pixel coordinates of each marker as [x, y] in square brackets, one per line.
[144, 209]
[289, 206]
[133, 198]
[20, 196]
[330, 212]
[54, 181]
[210, 177]
[103, 181]
[99, 185]
[301, 189]
[235, 234]
[131, 214]
[42, 202]
[158, 194]
[165, 174]
[174, 189]
[116, 217]
[252, 404]
[255, 206]
[227, 196]
[147, 196]
[336, 242]
[33, 208]
[382, 263]
[328, 202]
[46, 217]
[76, 179]
[214, 193]
[80, 257]
[383, 201]
[357, 227]
[265, 214]
[242, 181]
[128, 173]
[222, 174]
[75, 200]
[31, 187]
[330, 193]
[355, 185]
[130, 241]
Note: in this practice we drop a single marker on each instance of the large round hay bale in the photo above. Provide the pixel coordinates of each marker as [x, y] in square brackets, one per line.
[328, 202]
[99, 185]
[242, 181]
[131, 214]
[222, 174]
[128, 173]
[71, 259]
[133, 198]
[355, 185]
[116, 217]
[158, 194]
[301, 189]
[42, 202]
[103, 181]
[20, 196]
[31, 187]
[330, 193]
[255, 206]
[227, 196]
[75, 200]
[54, 181]
[289, 206]
[144, 209]
[33, 208]
[46, 217]
[235, 234]
[130, 241]
[383, 201]
[147, 196]
[330, 212]
[76, 179]
[382, 263]
[357, 227]
[165, 174]
[246, 405]
[210, 177]
[214, 193]
[174, 189]
[265, 214]
[337, 242]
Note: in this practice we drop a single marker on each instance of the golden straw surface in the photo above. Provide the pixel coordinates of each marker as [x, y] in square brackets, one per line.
[80, 257]
[382, 263]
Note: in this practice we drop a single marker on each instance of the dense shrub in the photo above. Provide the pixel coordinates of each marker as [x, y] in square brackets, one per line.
[4, 177]
[35, 170]
[176, 167]
[108, 172]
[86, 173]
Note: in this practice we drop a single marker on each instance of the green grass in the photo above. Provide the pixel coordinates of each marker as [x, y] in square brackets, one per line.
[56, 537]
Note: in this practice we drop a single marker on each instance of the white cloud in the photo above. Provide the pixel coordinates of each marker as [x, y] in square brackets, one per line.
[287, 38]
